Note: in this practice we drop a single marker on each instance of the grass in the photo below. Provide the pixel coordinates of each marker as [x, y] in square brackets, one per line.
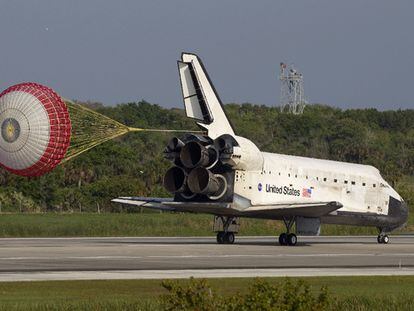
[145, 224]
[349, 293]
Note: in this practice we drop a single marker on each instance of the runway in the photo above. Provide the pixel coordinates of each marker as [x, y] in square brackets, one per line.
[170, 257]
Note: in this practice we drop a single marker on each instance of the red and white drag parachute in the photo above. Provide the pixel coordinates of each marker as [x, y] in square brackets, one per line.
[35, 129]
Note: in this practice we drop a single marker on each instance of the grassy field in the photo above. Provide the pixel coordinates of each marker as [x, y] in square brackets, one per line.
[145, 224]
[348, 293]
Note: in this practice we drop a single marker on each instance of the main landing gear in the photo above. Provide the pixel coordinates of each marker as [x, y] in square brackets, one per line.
[226, 227]
[382, 237]
[288, 238]
[225, 237]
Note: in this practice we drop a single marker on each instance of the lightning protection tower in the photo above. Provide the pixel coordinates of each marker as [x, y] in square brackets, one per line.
[292, 96]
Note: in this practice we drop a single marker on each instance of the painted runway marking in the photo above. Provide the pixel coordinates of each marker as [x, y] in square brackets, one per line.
[199, 273]
[217, 256]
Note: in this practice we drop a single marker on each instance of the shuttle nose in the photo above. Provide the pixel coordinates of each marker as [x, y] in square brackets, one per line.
[398, 210]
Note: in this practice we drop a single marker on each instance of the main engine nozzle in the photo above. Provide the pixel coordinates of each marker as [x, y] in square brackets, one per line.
[202, 181]
[175, 180]
[194, 154]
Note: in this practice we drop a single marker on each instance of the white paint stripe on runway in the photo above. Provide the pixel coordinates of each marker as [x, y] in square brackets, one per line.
[284, 255]
[213, 256]
[202, 273]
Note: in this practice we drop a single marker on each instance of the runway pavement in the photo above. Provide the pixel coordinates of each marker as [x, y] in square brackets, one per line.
[120, 258]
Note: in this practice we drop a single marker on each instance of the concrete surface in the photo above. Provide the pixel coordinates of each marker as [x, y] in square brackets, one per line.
[148, 257]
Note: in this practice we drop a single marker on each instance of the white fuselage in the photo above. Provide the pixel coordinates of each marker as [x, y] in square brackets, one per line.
[285, 178]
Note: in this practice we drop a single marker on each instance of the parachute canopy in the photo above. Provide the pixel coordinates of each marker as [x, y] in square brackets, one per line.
[35, 129]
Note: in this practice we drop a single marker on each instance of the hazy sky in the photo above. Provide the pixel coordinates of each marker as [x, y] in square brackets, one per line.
[352, 53]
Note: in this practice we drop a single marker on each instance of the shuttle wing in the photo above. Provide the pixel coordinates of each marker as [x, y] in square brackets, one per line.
[274, 211]
[168, 204]
[316, 209]
[154, 203]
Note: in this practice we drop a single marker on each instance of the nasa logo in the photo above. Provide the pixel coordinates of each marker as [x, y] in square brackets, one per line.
[259, 186]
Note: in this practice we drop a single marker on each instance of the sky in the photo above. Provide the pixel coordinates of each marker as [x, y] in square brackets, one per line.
[353, 54]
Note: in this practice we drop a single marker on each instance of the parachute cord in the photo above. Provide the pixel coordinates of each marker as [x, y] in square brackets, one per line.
[91, 128]
[136, 129]
[95, 143]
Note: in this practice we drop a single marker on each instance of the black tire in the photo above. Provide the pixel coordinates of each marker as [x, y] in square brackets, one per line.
[383, 239]
[292, 239]
[220, 237]
[229, 238]
[283, 239]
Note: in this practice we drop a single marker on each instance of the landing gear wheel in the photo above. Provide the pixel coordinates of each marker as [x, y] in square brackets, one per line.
[288, 238]
[292, 239]
[383, 239]
[229, 238]
[225, 237]
[220, 237]
[283, 239]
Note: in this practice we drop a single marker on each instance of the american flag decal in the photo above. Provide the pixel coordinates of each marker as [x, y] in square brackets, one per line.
[307, 193]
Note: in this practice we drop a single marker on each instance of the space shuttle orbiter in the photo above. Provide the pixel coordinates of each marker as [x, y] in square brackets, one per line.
[227, 175]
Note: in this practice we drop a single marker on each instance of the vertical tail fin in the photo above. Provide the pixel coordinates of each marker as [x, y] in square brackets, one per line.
[201, 100]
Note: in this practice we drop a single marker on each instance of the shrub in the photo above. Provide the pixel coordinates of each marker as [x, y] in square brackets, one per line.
[196, 295]
[261, 295]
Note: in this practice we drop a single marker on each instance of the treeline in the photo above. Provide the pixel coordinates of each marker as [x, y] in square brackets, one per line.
[134, 164]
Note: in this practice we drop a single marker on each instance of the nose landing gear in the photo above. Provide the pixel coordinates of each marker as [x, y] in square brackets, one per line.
[382, 238]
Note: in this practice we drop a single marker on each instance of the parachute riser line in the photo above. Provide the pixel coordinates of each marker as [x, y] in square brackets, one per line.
[135, 129]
